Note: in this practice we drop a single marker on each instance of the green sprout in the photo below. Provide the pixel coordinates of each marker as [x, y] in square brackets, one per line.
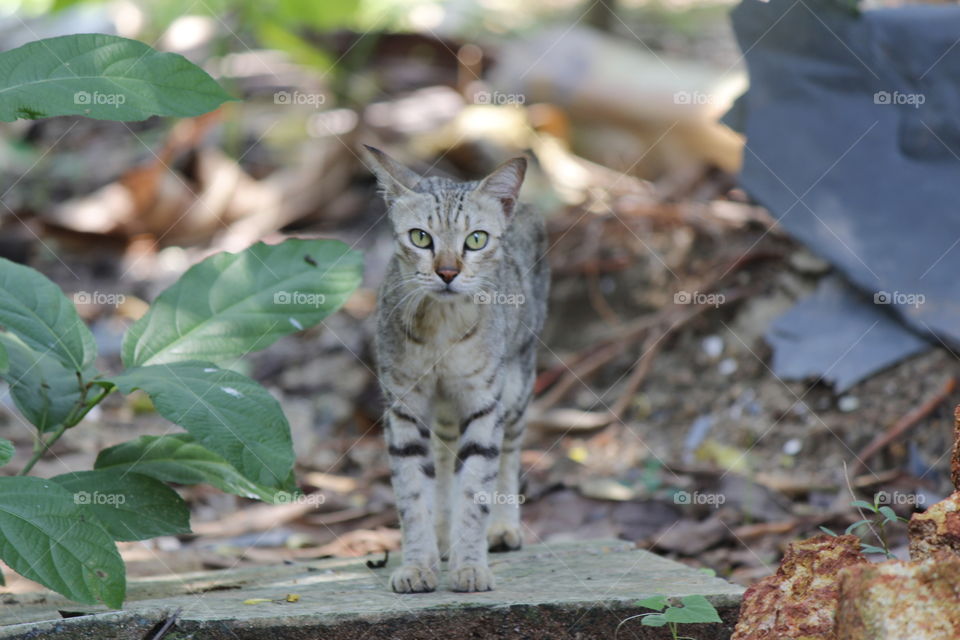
[694, 610]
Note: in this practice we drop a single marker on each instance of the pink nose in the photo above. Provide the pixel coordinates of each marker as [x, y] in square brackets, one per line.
[447, 274]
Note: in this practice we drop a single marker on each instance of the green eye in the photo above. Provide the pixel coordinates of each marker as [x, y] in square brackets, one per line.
[421, 238]
[476, 240]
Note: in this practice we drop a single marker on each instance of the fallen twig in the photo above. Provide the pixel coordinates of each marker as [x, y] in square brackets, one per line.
[903, 425]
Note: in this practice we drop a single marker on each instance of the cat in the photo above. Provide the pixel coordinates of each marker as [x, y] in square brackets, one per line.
[458, 321]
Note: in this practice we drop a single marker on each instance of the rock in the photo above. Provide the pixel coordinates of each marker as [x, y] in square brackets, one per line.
[799, 601]
[896, 600]
[549, 592]
[936, 530]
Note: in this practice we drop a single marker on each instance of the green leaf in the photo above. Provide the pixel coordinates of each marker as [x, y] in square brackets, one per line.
[695, 609]
[855, 526]
[226, 412]
[47, 538]
[653, 602]
[862, 504]
[869, 548]
[178, 458]
[889, 514]
[233, 303]
[130, 506]
[4, 359]
[654, 620]
[44, 390]
[104, 77]
[6, 451]
[34, 308]
[829, 532]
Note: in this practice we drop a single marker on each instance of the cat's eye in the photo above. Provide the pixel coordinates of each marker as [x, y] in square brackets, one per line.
[476, 240]
[421, 238]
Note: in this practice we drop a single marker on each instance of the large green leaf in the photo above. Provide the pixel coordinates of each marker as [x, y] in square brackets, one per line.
[44, 390]
[46, 537]
[178, 458]
[35, 309]
[104, 77]
[6, 451]
[233, 303]
[4, 359]
[695, 609]
[130, 506]
[226, 412]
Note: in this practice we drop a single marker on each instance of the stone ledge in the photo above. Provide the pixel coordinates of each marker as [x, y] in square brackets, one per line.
[558, 591]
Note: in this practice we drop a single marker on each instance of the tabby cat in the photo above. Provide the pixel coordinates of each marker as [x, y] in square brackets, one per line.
[458, 319]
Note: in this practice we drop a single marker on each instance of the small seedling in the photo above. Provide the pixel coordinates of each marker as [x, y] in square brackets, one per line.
[883, 516]
[692, 610]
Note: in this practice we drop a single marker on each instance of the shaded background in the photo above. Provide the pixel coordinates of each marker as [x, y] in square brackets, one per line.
[658, 419]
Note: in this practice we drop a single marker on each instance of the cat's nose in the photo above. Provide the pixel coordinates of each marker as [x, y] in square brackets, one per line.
[447, 274]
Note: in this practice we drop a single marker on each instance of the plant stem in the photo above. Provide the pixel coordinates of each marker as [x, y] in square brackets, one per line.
[42, 448]
[76, 415]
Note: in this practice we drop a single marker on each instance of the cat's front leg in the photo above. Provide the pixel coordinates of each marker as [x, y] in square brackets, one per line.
[476, 468]
[412, 471]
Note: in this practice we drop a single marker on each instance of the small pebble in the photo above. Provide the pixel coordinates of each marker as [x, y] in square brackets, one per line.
[712, 346]
[792, 446]
[727, 366]
[848, 404]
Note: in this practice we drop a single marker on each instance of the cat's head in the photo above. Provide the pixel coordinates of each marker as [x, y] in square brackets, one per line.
[449, 234]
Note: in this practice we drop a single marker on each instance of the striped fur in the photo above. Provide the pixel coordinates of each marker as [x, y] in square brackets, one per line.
[457, 363]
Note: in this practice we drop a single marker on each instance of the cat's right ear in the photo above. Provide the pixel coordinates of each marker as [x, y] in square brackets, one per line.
[394, 178]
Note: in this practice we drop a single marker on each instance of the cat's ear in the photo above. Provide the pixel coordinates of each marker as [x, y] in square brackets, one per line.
[504, 183]
[394, 178]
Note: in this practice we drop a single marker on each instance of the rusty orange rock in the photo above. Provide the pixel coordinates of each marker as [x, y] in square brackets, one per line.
[936, 530]
[955, 460]
[895, 600]
[799, 601]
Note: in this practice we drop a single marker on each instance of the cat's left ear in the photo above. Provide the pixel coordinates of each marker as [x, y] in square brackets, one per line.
[504, 183]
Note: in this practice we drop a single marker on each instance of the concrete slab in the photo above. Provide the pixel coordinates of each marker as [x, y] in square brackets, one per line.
[569, 590]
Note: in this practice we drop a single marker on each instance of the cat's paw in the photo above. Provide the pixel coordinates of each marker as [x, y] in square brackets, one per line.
[504, 537]
[413, 579]
[471, 578]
